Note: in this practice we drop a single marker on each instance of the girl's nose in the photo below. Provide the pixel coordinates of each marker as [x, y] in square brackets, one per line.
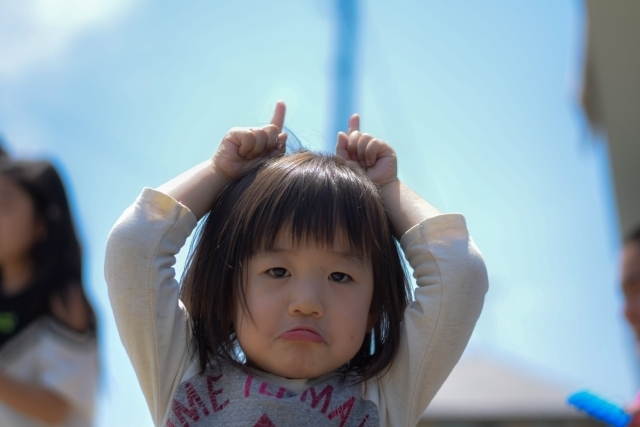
[306, 298]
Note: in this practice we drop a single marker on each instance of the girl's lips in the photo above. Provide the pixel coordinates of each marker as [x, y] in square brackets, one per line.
[302, 335]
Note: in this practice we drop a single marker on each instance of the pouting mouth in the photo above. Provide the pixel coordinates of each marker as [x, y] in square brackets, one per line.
[303, 333]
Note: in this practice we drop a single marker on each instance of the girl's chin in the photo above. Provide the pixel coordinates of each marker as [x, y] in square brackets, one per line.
[289, 370]
[296, 360]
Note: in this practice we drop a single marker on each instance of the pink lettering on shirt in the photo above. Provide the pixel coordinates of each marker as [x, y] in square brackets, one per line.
[278, 395]
[194, 399]
[179, 410]
[194, 402]
[316, 398]
[264, 389]
[364, 421]
[247, 386]
[213, 394]
[343, 411]
[264, 421]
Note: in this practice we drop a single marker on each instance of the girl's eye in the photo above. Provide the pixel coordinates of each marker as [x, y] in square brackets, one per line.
[279, 272]
[340, 277]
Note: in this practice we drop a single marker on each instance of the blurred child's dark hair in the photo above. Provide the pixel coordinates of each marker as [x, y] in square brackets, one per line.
[633, 236]
[312, 196]
[57, 257]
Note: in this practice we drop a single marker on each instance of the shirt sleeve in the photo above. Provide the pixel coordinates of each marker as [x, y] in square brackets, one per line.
[452, 281]
[144, 293]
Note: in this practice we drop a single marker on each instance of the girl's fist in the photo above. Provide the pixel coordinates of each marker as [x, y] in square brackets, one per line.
[375, 156]
[241, 148]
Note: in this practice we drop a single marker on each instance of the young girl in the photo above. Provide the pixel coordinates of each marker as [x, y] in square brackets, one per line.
[48, 352]
[294, 306]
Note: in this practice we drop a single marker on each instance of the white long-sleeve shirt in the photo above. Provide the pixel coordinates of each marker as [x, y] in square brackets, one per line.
[154, 324]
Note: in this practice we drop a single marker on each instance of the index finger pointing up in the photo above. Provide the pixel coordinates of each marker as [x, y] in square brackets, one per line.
[278, 115]
[354, 124]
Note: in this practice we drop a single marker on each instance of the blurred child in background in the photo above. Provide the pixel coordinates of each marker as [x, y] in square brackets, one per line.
[48, 351]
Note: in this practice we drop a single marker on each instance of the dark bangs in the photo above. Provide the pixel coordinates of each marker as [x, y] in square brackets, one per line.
[314, 198]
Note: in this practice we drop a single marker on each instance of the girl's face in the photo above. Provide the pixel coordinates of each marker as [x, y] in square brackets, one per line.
[309, 308]
[19, 229]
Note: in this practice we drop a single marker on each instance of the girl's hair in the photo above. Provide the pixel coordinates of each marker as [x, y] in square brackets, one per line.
[57, 257]
[314, 197]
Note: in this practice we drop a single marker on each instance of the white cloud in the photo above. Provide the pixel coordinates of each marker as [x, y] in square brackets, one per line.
[33, 32]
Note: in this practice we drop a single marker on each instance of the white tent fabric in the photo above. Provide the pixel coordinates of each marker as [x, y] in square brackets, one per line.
[482, 387]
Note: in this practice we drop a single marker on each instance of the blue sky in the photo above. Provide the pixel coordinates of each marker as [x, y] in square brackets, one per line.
[479, 100]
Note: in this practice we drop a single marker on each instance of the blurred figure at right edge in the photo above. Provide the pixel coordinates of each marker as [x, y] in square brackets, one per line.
[49, 366]
[630, 279]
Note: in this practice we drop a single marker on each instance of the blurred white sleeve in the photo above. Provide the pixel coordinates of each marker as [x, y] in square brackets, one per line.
[69, 366]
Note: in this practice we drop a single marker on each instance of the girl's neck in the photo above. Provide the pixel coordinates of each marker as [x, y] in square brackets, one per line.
[16, 276]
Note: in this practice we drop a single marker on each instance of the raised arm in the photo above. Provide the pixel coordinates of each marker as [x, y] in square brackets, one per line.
[239, 150]
[451, 278]
[404, 207]
[141, 251]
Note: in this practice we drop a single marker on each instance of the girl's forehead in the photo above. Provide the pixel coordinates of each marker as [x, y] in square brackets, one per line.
[339, 243]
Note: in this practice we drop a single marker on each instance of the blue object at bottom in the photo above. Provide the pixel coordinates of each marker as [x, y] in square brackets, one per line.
[599, 408]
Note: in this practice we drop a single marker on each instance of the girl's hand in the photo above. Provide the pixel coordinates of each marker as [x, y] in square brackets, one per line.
[404, 207]
[375, 156]
[243, 147]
